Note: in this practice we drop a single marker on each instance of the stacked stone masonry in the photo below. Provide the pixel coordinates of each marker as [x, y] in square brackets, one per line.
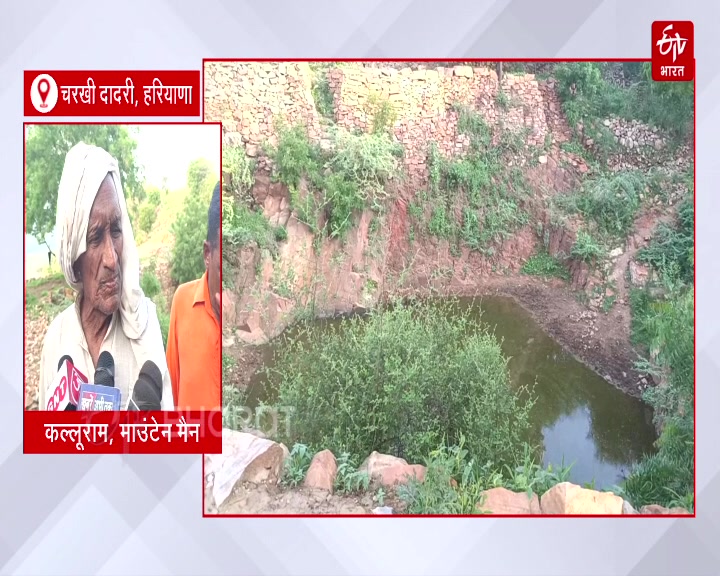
[249, 99]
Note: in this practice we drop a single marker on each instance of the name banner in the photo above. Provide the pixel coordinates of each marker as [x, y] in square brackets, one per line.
[112, 93]
[122, 432]
[673, 51]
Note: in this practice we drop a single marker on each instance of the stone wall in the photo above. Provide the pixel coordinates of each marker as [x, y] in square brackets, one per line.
[249, 97]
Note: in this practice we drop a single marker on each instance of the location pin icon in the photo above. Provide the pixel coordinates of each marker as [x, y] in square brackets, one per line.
[44, 90]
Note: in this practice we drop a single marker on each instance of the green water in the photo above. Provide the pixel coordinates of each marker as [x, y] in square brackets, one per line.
[578, 417]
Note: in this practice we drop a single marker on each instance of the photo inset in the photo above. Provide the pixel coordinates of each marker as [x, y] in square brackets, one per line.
[455, 288]
[122, 267]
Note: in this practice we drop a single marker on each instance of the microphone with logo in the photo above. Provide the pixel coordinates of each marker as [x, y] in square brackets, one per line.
[101, 395]
[65, 387]
[147, 393]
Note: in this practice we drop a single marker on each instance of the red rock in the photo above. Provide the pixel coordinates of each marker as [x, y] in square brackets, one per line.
[567, 498]
[656, 509]
[504, 501]
[322, 472]
[400, 474]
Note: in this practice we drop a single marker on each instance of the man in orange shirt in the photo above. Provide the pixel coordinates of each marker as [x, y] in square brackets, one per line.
[193, 347]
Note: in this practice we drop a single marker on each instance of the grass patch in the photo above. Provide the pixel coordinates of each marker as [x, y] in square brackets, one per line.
[480, 186]
[352, 175]
[542, 264]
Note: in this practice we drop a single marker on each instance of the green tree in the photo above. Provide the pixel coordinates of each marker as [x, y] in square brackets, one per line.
[201, 175]
[190, 229]
[45, 150]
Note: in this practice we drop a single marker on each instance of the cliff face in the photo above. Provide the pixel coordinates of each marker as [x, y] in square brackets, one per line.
[390, 252]
[378, 256]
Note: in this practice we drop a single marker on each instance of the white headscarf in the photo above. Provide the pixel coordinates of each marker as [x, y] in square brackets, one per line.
[85, 169]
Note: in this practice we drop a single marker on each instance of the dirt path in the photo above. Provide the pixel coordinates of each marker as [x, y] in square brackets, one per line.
[271, 499]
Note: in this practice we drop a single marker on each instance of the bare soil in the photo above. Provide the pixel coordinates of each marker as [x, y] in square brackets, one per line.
[254, 499]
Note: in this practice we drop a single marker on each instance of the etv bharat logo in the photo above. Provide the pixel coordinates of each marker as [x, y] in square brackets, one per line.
[668, 43]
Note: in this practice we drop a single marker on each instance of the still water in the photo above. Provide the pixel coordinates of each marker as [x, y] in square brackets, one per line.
[578, 417]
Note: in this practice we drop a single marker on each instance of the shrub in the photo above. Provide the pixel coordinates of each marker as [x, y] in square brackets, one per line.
[190, 228]
[378, 385]
[586, 247]
[243, 226]
[150, 284]
[349, 177]
[239, 167]
[612, 201]
[667, 327]
[672, 250]
[542, 264]
[147, 217]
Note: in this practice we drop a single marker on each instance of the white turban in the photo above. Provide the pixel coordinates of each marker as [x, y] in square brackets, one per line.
[85, 169]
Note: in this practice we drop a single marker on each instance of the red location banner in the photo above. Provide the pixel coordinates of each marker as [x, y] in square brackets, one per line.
[112, 93]
[80, 432]
[673, 51]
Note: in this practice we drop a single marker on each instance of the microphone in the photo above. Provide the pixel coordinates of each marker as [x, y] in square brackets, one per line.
[102, 395]
[65, 387]
[105, 371]
[147, 393]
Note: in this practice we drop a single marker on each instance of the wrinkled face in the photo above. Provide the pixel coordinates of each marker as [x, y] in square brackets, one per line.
[212, 265]
[99, 267]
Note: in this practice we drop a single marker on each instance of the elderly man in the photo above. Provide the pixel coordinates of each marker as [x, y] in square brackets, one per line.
[193, 348]
[99, 259]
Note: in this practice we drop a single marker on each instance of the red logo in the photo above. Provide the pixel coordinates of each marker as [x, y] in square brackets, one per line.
[673, 51]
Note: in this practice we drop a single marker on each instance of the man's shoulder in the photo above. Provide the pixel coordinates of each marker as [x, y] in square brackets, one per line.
[185, 293]
[62, 321]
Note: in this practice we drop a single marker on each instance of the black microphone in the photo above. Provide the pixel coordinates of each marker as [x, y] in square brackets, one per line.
[105, 371]
[147, 393]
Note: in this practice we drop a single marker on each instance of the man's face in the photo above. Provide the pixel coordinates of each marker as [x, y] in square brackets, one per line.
[99, 266]
[212, 265]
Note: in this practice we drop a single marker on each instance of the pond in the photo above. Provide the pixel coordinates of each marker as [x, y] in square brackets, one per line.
[578, 418]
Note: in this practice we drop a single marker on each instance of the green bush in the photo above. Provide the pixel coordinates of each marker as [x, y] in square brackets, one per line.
[586, 247]
[672, 250]
[190, 228]
[378, 385]
[454, 481]
[612, 201]
[147, 217]
[588, 98]
[542, 264]
[150, 284]
[244, 226]
[666, 328]
[240, 167]
[350, 176]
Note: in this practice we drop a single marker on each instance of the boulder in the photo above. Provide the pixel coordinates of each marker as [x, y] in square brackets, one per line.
[504, 501]
[657, 509]
[628, 508]
[389, 470]
[567, 498]
[245, 458]
[322, 472]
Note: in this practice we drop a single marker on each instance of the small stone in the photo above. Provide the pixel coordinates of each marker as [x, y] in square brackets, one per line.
[322, 472]
[627, 508]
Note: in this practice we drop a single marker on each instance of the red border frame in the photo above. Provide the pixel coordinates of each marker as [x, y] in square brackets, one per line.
[107, 123]
[460, 61]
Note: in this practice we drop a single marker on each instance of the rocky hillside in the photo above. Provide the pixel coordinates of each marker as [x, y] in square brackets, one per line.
[448, 220]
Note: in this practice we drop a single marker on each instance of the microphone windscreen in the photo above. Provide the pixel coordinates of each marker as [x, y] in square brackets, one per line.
[106, 361]
[105, 371]
[66, 357]
[152, 372]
